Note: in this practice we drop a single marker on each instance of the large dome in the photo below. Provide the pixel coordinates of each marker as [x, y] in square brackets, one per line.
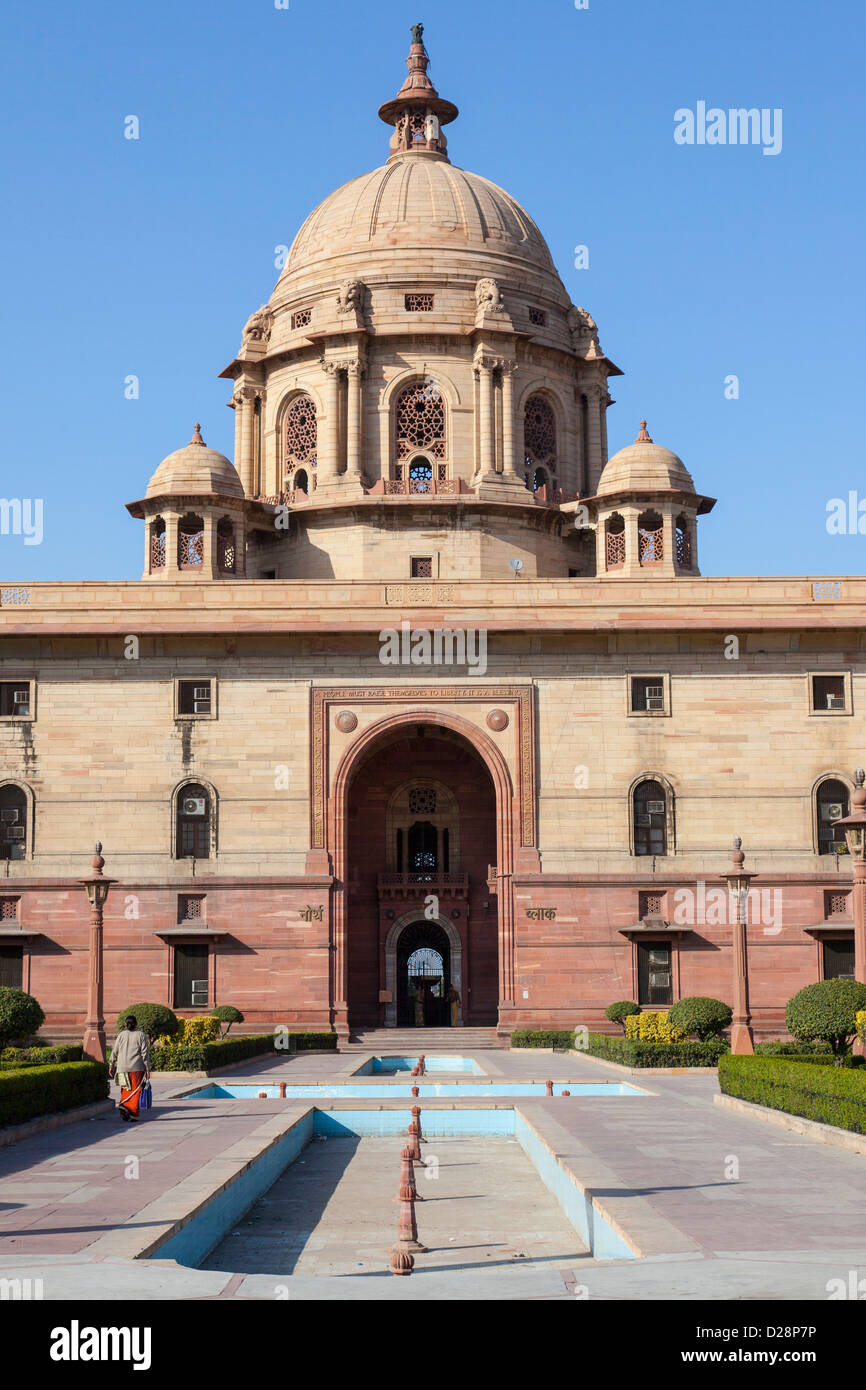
[417, 204]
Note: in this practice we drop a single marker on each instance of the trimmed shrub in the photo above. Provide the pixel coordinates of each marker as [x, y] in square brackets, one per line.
[831, 1095]
[700, 1015]
[621, 1010]
[20, 1015]
[792, 1049]
[528, 1037]
[827, 1011]
[860, 1024]
[631, 1052]
[156, 1020]
[653, 1027]
[12, 1058]
[210, 1056]
[227, 1014]
[29, 1092]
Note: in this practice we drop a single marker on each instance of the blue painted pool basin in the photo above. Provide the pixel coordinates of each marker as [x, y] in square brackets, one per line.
[391, 1066]
[396, 1090]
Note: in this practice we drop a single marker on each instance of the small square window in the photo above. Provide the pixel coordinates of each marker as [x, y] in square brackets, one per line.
[301, 318]
[195, 697]
[836, 904]
[9, 908]
[15, 699]
[191, 907]
[829, 695]
[419, 303]
[422, 567]
[647, 695]
[538, 317]
[650, 905]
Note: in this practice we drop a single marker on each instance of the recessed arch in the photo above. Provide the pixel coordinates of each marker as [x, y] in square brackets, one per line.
[17, 812]
[187, 787]
[645, 780]
[406, 919]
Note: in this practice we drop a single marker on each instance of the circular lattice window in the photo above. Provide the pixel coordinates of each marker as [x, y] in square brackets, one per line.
[539, 431]
[420, 420]
[422, 801]
[301, 432]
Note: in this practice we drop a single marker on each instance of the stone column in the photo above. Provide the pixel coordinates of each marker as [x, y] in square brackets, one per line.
[669, 542]
[484, 368]
[355, 376]
[329, 438]
[238, 406]
[171, 529]
[209, 566]
[604, 402]
[510, 470]
[594, 447]
[248, 452]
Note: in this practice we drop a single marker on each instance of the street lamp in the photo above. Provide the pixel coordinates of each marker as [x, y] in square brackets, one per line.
[738, 880]
[855, 836]
[96, 886]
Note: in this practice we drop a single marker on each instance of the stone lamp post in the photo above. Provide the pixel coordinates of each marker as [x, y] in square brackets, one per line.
[738, 880]
[96, 886]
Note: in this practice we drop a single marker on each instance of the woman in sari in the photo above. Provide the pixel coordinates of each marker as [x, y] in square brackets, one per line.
[130, 1062]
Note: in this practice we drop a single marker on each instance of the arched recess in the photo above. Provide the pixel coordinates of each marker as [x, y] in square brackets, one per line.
[669, 811]
[336, 834]
[829, 787]
[17, 812]
[391, 941]
[387, 409]
[180, 790]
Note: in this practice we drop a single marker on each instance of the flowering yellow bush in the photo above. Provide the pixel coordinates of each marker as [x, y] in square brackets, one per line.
[191, 1032]
[860, 1021]
[653, 1027]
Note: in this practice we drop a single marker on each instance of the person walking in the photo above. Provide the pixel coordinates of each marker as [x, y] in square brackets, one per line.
[130, 1062]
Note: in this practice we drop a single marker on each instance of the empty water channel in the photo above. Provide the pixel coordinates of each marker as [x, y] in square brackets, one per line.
[319, 1196]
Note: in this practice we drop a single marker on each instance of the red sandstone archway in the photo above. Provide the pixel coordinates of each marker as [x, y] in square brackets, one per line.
[361, 902]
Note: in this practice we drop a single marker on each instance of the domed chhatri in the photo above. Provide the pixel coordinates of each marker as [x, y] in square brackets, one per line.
[195, 515]
[419, 397]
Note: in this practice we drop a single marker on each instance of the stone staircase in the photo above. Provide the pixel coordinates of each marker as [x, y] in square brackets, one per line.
[410, 1042]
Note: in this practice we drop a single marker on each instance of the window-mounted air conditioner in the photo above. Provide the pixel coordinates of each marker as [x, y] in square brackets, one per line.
[642, 818]
[201, 706]
[656, 808]
[20, 701]
[832, 811]
[655, 702]
[15, 832]
[835, 701]
[199, 994]
[201, 692]
[193, 805]
[9, 816]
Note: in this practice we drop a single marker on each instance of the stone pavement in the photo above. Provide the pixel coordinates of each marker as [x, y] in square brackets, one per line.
[759, 1212]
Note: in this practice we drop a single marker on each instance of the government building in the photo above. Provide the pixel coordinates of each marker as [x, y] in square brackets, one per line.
[421, 713]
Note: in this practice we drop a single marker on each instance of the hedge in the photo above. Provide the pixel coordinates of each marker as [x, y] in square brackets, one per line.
[211, 1056]
[32, 1091]
[526, 1037]
[633, 1052]
[17, 1057]
[831, 1095]
[792, 1049]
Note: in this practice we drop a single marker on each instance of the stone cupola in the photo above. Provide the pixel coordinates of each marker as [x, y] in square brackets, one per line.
[417, 112]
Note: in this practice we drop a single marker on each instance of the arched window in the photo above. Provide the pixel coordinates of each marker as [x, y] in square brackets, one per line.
[650, 818]
[190, 543]
[831, 803]
[13, 822]
[614, 542]
[226, 555]
[193, 838]
[539, 440]
[423, 847]
[537, 478]
[683, 543]
[419, 420]
[421, 476]
[650, 538]
[301, 434]
[300, 483]
[157, 544]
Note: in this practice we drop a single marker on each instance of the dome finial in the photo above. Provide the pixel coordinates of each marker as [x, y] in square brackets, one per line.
[643, 437]
[196, 435]
[418, 112]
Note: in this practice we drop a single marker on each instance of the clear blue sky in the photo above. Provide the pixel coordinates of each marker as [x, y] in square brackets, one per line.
[146, 257]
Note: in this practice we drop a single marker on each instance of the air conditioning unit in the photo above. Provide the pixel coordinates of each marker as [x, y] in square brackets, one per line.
[199, 994]
[201, 706]
[193, 805]
[642, 819]
[201, 692]
[834, 810]
[656, 808]
[835, 701]
[21, 701]
[15, 832]
[9, 816]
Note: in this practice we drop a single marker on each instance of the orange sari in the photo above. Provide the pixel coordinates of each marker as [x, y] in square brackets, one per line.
[129, 1099]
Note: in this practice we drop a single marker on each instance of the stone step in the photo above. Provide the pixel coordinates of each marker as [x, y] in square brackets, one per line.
[412, 1041]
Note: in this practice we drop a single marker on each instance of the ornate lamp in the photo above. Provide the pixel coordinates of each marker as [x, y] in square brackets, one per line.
[854, 827]
[96, 887]
[738, 880]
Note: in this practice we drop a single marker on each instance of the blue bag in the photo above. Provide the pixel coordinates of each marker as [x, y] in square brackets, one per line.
[146, 1099]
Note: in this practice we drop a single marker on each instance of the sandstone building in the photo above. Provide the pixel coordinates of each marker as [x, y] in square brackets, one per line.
[424, 685]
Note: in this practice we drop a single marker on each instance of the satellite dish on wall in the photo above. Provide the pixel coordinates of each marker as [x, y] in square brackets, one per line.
[516, 565]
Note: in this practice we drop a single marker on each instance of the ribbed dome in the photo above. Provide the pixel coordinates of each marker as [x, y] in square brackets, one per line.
[644, 467]
[195, 469]
[416, 203]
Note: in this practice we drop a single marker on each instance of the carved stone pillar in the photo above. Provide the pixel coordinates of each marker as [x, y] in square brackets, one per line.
[238, 407]
[484, 367]
[510, 470]
[355, 377]
[171, 529]
[595, 449]
[246, 466]
[329, 439]
[209, 565]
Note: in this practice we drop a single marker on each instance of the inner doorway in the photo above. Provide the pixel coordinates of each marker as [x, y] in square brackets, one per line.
[423, 976]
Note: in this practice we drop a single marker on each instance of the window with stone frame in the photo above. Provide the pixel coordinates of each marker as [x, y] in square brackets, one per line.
[422, 567]
[191, 907]
[539, 440]
[650, 904]
[9, 909]
[828, 694]
[301, 317]
[301, 434]
[419, 420]
[537, 317]
[831, 804]
[838, 957]
[654, 973]
[419, 303]
[193, 829]
[683, 537]
[190, 542]
[226, 550]
[13, 822]
[650, 819]
[11, 967]
[614, 542]
[16, 699]
[157, 544]
[837, 904]
[650, 538]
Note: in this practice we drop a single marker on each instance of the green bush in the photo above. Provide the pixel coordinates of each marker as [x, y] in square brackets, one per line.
[701, 1016]
[227, 1014]
[823, 1059]
[826, 1011]
[632, 1052]
[621, 1010]
[153, 1019]
[20, 1015]
[527, 1037]
[12, 1058]
[32, 1091]
[831, 1095]
[786, 1049]
[211, 1056]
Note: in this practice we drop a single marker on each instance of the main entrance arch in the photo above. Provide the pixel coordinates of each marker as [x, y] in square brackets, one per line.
[408, 934]
[426, 811]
